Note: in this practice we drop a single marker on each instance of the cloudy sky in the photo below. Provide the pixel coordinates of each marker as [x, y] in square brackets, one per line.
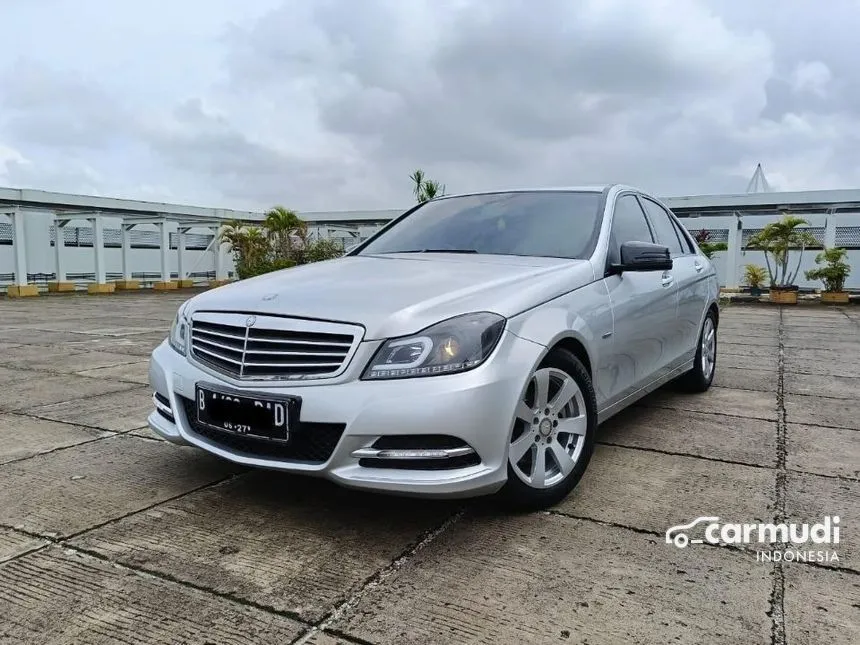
[330, 104]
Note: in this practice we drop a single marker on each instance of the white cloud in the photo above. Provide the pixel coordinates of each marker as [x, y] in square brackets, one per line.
[812, 77]
[318, 106]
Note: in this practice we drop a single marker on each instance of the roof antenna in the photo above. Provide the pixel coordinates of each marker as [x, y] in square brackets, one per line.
[758, 183]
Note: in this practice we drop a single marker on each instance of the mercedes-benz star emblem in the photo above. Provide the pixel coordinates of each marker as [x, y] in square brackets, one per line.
[250, 322]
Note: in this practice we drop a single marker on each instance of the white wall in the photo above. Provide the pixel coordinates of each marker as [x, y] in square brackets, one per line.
[723, 259]
[41, 256]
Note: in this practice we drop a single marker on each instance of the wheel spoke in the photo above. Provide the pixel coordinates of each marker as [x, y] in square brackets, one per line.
[524, 412]
[539, 471]
[562, 458]
[565, 394]
[573, 425]
[541, 388]
[521, 446]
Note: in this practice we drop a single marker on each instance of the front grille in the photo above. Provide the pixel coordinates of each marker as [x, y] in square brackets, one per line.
[311, 443]
[252, 347]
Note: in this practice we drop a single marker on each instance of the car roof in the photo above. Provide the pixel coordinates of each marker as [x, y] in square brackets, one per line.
[592, 188]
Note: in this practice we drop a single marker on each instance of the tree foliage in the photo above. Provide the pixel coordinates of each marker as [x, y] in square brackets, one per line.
[280, 242]
[425, 189]
[778, 240]
[703, 240]
[835, 270]
[754, 275]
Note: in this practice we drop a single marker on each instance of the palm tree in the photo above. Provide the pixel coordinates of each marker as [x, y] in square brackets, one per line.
[777, 239]
[286, 229]
[425, 189]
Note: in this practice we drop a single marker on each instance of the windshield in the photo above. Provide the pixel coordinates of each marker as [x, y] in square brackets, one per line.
[541, 223]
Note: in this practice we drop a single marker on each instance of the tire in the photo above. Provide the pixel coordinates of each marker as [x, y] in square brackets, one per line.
[699, 378]
[569, 429]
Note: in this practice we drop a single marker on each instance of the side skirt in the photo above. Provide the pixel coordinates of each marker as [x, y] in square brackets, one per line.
[628, 400]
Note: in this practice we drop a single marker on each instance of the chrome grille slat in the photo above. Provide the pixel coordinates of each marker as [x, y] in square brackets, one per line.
[247, 364]
[210, 343]
[300, 342]
[218, 334]
[268, 352]
[218, 356]
[273, 347]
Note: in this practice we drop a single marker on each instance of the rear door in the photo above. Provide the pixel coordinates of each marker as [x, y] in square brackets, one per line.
[689, 277]
[644, 308]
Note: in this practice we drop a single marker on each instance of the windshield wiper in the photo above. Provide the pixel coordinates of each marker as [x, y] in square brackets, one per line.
[436, 251]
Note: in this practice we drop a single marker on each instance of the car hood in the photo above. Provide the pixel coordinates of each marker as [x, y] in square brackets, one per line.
[398, 294]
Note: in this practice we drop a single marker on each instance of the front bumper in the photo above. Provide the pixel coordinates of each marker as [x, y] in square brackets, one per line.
[476, 407]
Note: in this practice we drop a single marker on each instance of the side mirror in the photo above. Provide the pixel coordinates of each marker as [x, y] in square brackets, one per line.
[643, 256]
[350, 248]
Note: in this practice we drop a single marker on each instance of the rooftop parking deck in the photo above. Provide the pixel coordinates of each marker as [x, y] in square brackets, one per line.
[108, 534]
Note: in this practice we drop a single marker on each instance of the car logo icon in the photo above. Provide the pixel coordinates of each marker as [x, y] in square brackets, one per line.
[250, 322]
[270, 296]
[677, 534]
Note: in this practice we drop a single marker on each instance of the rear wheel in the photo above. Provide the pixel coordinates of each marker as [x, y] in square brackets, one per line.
[553, 436]
[701, 376]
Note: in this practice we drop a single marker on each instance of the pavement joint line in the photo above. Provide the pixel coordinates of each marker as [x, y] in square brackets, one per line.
[42, 371]
[821, 425]
[173, 498]
[823, 396]
[166, 577]
[777, 596]
[381, 576]
[676, 453]
[26, 552]
[345, 636]
[59, 449]
[137, 386]
[37, 417]
[657, 406]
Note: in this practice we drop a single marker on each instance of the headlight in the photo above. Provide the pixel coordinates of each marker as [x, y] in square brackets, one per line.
[179, 332]
[453, 345]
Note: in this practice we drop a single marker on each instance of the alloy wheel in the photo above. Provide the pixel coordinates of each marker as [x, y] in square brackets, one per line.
[550, 428]
[709, 348]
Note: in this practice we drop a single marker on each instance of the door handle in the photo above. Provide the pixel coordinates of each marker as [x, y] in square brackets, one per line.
[667, 280]
[698, 266]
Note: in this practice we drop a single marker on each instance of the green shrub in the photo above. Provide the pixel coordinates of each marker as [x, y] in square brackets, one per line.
[280, 242]
[834, 273]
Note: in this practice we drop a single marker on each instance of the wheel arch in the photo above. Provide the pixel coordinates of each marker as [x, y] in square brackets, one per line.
[576, 347]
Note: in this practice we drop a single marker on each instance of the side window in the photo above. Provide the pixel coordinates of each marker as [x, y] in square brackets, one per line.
[667, 234]
[629, 223]
[684, 235]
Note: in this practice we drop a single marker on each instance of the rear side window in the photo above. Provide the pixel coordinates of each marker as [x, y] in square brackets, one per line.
[684, 236]
[664, 227]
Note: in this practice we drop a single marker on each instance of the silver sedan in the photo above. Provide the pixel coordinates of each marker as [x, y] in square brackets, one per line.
[471, 347]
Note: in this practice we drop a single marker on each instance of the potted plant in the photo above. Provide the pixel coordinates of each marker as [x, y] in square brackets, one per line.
[754, 276]
[777, 240]
[832, 274]
[708, 247]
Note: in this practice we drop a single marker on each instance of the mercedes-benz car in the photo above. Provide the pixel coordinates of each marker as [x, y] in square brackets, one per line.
[472, 346]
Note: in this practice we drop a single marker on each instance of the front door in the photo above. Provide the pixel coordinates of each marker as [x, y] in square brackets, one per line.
[644, 308]
[690, 276]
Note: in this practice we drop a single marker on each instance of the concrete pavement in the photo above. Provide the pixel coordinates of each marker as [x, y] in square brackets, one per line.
[108, 534]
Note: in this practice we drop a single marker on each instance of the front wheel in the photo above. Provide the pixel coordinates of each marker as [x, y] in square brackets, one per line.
[553, 435]
[701, 376]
